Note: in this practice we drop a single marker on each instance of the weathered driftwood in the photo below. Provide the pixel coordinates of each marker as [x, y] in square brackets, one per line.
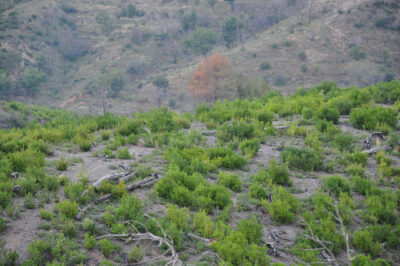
[205, 240]
[82, 212]
[150, 180]
[379, 148]
[281, 128]
[109, 178]
[168, 257]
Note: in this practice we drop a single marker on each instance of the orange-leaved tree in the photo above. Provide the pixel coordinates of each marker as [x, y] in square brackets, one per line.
[210, 72]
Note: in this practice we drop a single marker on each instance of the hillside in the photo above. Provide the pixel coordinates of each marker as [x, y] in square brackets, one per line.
[70, 54]
[302, 179]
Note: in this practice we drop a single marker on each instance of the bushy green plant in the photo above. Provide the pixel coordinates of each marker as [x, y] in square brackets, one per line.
[105, 134]
[45, 215]
[362, 185]
[90, 241]
[250, 147]
[29, 201]
[328, 113]
[7, 256]
[230, 181]
[344, 142]
[135, 255]
[236, 130]
[123, 153]
[54, 248]
[251, 229]
[355, 170]
[381, 207]
[370, 118]
[178, 216]
[279, 174]
[69, 229]
[67, 209]
[61, 165]
[143, 171]
[336, 184]
[202, 223]
[130, 208]
[363, 241]
[3, 224]
[284, 206]
[106, 247]
[89, 225]
[302, 159]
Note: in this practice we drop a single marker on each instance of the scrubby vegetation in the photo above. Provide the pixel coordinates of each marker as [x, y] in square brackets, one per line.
[293, 161]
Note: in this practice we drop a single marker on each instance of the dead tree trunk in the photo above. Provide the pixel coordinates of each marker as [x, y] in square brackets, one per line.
[109, 178]
[379, 148]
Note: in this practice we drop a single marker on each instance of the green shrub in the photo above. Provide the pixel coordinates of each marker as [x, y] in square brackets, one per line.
[371, 118]
[178, 216]
[344, 142]
[108, 153]
[307, 113]
[355, 170]
[250, 147]
[29, 201]
[362, 185]
[381, 208]
[143, 171]
[283, 207]
[257, 192]
[84, 144]
[362, 260]
[61, 165]
[328, 113]
[89, 225]
[302, 159]
[123, 153]
[67, 209]
[54, 248]
[239, 130]
[45, 215]
[90, 241]
[251, 229]
[3, 224]
[7, 257]
[230, 181]
[279, 174]
[130, 208]
[135, 255]
[337, 184]
[106, 247]
[363, 241]
[69, 229]
[105, 134]
[202, 223]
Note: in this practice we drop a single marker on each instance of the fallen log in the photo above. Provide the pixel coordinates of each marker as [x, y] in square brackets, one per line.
[205, 240]
[281, 128]
[150, 180]
[109, 178]
[379, 148]
[82, 212]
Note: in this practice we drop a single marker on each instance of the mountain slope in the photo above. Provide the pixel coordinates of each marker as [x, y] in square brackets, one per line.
[351, 42]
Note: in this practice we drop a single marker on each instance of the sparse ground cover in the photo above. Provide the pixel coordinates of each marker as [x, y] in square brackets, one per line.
[279, 179]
